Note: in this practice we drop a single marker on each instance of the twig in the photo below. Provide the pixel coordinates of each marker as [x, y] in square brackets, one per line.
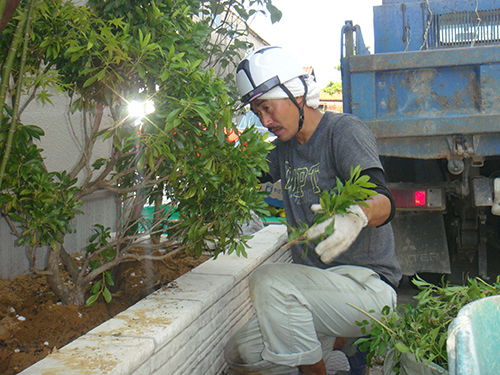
[371, 316]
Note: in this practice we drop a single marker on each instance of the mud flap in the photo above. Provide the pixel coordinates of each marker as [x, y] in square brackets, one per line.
[420, 240]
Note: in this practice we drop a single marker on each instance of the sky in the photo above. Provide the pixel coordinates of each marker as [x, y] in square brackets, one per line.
[310, 30]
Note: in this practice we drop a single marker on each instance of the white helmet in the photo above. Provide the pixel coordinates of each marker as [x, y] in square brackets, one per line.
[263, 70]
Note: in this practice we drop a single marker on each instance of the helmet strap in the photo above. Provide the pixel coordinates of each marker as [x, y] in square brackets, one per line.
[292, 98]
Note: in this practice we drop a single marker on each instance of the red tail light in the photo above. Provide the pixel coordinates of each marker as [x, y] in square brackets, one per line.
[418, 198]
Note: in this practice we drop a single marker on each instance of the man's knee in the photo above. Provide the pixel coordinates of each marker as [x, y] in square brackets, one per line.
[267, 276]
[260, 277]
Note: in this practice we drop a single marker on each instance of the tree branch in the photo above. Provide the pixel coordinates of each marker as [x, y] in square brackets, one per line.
[12, 226]
[89, 143]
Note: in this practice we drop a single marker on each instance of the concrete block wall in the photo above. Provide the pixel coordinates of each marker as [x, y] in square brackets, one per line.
[178, 330]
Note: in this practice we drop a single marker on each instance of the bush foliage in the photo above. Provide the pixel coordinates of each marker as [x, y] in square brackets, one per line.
[103, 56]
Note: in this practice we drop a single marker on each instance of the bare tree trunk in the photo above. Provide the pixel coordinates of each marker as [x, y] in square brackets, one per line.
[68, 296]
[7, 12]
[70, 264]
[158, 215]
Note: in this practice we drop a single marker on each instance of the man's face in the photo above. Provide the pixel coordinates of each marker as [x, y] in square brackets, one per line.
[279, 116]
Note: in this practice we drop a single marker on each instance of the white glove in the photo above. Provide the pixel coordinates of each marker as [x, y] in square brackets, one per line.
[345, 231]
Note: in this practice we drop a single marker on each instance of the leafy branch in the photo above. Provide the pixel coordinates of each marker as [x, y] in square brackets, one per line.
[422, 330]
[355, 191]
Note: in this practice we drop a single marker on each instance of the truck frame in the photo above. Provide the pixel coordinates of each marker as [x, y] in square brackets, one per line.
[431, 96]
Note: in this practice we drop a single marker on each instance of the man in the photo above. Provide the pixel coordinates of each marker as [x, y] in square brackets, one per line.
[302, 307]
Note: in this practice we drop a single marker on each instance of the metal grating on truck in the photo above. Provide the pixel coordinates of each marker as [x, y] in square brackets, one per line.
[463, 29]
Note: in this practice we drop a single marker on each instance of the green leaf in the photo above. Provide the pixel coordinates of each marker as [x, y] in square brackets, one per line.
[15, 217]
[401, 347]
[90, 81]
[96, 287]
[172, 115]
[109, 278]
[275, 13]
[220, 134]
[107, 295]
[90, 301]
[190, 193]
[141, 71]
[99, 163]
[330, 228]
[164, 75]
[101, 74]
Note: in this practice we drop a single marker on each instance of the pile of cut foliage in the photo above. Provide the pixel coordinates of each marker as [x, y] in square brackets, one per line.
[422, 329]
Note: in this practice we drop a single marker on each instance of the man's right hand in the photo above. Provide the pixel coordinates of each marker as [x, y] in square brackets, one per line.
[346, 229]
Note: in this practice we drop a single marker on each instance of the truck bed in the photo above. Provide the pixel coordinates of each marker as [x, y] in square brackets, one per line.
[430, 104]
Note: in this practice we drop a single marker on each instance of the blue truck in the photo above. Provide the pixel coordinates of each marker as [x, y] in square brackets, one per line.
[430, 93]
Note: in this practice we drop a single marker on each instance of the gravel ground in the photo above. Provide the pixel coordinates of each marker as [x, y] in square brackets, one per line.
[338, 364]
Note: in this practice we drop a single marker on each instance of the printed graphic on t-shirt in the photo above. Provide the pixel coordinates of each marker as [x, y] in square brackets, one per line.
[297, 179]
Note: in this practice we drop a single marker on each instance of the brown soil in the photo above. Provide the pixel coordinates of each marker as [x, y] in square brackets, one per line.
[33, 322]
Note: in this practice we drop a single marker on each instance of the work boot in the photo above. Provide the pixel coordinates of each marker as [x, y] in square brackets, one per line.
[356, 358]
[358, 364]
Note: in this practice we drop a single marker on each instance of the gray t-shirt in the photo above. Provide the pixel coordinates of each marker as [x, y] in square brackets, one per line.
[340, 141]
